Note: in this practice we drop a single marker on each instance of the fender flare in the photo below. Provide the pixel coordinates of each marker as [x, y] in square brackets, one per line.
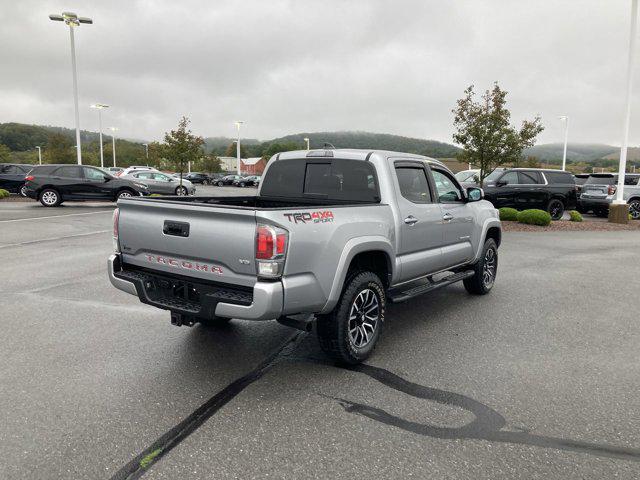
[488, 223]
[353, 247]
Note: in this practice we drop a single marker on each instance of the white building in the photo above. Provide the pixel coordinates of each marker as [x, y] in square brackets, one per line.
[228, 164]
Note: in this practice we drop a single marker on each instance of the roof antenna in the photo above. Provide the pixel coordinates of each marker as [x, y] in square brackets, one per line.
[329, 145]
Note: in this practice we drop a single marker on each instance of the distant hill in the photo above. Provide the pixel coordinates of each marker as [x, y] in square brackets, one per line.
[218, 145]
[577, 152]
[633, 154]
[374, 141]
[20, 137]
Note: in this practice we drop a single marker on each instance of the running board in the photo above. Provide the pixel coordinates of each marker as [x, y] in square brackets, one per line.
[403, 295]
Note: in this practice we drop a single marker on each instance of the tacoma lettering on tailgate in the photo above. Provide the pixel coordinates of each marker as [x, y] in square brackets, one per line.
[184, 264]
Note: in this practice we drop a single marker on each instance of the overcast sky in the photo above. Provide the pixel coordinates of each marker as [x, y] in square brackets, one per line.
[285, 66]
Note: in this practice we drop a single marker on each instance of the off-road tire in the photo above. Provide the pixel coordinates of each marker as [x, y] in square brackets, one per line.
[333, 328]
[477, 284]
[634, 209]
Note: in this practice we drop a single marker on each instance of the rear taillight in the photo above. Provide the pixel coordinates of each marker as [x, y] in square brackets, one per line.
[611, 190]
[116, 233]
[271, 244]
[29, 178]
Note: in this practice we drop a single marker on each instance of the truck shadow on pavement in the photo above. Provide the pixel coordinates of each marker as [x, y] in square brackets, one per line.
[487, 425]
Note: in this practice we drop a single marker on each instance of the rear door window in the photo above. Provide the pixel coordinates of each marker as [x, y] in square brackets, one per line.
[93, 174]
[413, 184]
[68, 172]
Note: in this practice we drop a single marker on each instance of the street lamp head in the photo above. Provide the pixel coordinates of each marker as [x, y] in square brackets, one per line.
[70, 19]
[237, 123]
[113, 129]
[563, 117]
[99, 106]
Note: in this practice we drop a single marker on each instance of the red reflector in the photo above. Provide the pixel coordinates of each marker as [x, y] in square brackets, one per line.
[612, 190]
[281, 243]
[29, 178]
[264, 243]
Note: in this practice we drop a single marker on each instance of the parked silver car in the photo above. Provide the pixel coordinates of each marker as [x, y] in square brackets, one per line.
[162, 183]
[600, 190]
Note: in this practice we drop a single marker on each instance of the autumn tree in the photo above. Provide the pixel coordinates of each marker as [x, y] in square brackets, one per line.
[181, 146]
[484, 131]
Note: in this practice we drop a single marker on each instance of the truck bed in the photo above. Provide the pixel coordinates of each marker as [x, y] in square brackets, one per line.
[253, 202]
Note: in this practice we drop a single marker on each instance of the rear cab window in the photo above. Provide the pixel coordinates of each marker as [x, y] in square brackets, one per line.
[330, 179]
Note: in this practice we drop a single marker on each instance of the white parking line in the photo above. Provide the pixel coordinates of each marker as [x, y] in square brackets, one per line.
[54, 216]
[52, 239]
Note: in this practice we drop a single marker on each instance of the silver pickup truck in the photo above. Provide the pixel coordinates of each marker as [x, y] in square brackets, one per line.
[331, 237]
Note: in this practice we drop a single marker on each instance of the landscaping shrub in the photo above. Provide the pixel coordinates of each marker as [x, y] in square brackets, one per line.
[4, 193]
[575, 216]
[534, 217]
[508, 214]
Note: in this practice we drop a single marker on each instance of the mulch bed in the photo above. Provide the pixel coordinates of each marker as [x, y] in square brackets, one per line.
[567, 226]
[16, 198]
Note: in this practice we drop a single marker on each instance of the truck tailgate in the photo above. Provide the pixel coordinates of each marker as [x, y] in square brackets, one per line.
[209, 242]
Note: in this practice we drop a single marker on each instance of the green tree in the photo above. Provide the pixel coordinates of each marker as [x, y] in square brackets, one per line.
[483, 130]
[210, 164]
[59, 149]
[278, 147]
[181, 146]
[232, 151]
[5, 153]
[156, 154]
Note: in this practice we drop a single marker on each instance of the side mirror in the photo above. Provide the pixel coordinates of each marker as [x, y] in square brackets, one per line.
[474, 194]
[106, 178]
[500, 183]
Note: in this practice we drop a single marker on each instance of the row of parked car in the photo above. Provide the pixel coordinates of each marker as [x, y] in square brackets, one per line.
[554, 190]
[53, 184]
[522, 188]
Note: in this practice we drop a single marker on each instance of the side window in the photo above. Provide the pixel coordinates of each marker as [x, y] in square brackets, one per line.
[630, 180]
[68, 172]
[529, 178]
[93, 174]
[509, 178]
[413, 184]
[144, 175]
[160, 177]
[446, 187]
[11, 170]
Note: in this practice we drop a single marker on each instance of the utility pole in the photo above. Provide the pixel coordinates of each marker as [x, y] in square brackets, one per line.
[238, 124]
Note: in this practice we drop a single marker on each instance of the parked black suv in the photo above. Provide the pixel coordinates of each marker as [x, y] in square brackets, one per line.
[12, 176]
[227, 180]
[54, 184]
[197, 177]
[524, 188]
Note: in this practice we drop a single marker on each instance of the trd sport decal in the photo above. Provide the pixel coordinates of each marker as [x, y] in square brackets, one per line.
[321, 216]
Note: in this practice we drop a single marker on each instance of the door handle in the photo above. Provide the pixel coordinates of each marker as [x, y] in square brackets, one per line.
[411, 220]
[447, 217]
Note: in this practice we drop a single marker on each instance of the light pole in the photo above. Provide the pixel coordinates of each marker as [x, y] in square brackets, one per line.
[113, 140]
[619, 210]
[238, 125]
[566, 138]
[307, 141]
[146, 149]
[100, 107]
[39, 155]
[73, 20]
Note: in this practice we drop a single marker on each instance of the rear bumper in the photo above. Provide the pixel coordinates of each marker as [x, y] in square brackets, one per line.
[264, 302]
[591, 203]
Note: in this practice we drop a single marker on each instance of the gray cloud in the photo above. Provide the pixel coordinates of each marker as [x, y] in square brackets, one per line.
[286, 66]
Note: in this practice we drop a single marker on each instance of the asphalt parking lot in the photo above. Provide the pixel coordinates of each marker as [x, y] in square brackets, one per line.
[538, 379]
